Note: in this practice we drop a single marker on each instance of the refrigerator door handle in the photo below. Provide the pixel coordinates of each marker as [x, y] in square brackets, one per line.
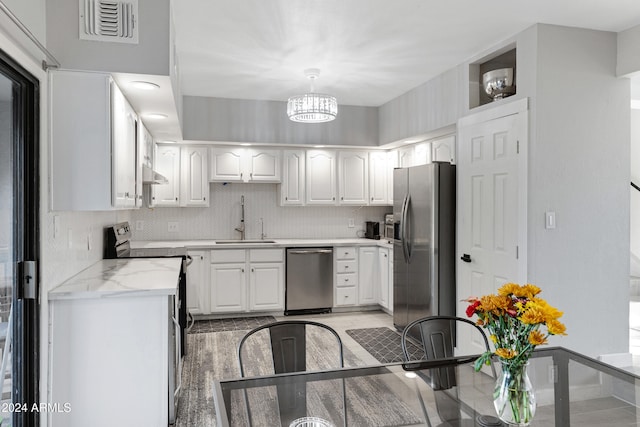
[405, 234]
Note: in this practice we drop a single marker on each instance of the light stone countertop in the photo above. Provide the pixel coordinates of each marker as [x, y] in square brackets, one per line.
[253, 244]
[122, 278]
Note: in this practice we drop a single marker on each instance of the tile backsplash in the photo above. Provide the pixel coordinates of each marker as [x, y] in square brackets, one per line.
[220, 219]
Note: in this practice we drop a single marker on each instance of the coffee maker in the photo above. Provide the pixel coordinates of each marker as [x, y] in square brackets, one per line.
[372, 230]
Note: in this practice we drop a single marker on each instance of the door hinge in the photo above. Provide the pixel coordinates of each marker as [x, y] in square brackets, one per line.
[518, 146]
[28, 280]
[517, 252]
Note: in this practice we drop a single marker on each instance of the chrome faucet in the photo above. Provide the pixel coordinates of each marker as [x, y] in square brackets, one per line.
[241, 228]
[262, 235]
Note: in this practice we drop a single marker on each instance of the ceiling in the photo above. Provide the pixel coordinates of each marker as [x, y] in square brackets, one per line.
[368, 51]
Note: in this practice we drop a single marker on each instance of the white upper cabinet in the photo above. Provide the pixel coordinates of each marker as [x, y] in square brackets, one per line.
[291, 191]
[167, 163]
[320, 185]
[194, 183]
[444, 149]
[421, 153]
[226, 164]
[392, 158]
[263, 165]
[353, 177]
[238, 164]
[405, 156]
[123, 127]
[93, 143]
[379, 172]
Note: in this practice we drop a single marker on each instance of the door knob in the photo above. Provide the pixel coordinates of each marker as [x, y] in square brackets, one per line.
[466, 258]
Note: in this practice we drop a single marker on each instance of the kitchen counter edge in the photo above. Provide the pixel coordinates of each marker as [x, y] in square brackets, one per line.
[277, 243]
[114, 278]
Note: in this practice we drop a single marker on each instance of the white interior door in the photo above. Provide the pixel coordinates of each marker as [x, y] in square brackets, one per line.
[492, 210]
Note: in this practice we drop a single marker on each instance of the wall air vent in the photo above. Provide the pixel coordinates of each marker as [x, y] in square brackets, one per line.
[109, 20]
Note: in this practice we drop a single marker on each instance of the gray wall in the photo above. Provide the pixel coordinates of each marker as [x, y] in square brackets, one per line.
[431, 106]
[579, 168]
[236, 120]
[149, 56]
[628, 60]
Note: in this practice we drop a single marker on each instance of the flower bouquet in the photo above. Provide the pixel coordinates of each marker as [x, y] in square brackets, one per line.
[514, 318]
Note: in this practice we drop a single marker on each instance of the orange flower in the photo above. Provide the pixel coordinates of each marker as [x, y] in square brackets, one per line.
[494, 304]
[537, 338]
[509, 289]
[556, 328]
[505, 353]
[529, 291]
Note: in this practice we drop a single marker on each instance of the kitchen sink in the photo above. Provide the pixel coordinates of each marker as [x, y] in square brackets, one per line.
[252, 242]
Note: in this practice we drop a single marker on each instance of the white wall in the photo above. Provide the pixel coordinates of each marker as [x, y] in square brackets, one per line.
[579, 168]
[220, 219]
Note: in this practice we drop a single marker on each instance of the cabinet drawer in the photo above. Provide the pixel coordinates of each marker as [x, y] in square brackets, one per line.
[266, 255]
[346, 296]
[346, 279]
[345, 252]
[227, 255]
[346, 267]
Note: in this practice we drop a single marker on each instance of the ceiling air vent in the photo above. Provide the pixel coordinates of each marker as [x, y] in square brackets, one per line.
[109, 21]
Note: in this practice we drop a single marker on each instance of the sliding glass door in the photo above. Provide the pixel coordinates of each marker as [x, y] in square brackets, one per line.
[19, 350]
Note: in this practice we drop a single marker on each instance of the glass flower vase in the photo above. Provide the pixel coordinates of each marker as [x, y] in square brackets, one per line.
[513, 396]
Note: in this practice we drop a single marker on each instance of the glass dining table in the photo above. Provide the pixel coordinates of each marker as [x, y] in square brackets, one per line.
[571, 390]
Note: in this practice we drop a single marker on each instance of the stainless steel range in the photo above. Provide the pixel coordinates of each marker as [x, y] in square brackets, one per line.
[118, 245]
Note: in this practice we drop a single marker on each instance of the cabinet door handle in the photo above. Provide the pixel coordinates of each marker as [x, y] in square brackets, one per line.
[176, 199]
[204, 198]
[252, 270]
[242, 270]
[346, 280]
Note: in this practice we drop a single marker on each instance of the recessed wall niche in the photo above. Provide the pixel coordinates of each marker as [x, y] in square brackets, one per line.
[504, 58]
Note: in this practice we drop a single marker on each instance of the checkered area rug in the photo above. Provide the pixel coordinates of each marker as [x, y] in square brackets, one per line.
[230, 324]
[384, 344]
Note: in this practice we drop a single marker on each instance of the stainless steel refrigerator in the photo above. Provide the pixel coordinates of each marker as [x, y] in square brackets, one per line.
[424, 215]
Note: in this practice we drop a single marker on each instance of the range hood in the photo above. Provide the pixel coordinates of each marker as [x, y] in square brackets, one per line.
[149, 176]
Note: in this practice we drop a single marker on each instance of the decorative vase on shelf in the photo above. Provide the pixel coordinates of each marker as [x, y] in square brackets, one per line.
[513, 396]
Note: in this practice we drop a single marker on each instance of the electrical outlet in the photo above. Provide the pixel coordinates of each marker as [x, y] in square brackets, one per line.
[173, 227]
[139, 225]
[351, 223]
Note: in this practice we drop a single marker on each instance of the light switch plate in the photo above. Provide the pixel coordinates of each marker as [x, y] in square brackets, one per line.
[351, 223]
[549, 220]
[172, 227]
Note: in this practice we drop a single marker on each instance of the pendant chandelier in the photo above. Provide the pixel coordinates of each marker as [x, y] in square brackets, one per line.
[312, 107]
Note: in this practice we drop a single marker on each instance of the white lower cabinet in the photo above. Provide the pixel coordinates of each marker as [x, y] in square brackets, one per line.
[385, 266]
[346, 276]
[233, 290]
[265, 286]
[368, 276]
[197, 280]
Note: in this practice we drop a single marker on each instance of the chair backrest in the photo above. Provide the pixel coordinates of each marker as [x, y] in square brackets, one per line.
[288, 339]
[437, 336]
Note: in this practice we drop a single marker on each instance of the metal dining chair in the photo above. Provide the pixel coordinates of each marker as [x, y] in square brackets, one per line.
[288, 341]
[437, 337]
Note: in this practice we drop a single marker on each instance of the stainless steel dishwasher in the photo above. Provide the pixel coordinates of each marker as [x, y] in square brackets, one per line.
[309, 281]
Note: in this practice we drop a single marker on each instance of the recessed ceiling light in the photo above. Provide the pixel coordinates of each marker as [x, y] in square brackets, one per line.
[318, 146]
[139, 84]
[246, 144]
[158, 116]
